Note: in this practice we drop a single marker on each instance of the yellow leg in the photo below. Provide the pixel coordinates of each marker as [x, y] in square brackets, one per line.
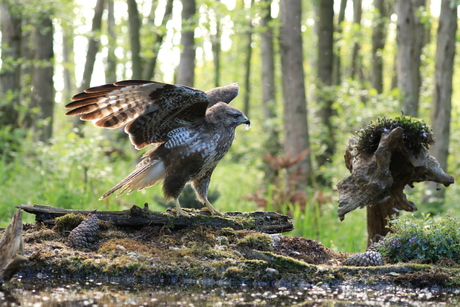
[179, 211]
[211, 209]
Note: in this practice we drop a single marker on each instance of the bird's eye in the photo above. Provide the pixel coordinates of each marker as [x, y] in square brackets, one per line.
[235, 115]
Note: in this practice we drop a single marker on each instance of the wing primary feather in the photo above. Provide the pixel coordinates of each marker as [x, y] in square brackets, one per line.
[224, 93]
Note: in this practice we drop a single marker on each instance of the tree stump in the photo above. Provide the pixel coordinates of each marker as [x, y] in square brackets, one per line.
[377, 180]
[11, 249]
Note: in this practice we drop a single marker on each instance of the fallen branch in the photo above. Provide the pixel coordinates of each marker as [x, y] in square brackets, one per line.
[136, 217]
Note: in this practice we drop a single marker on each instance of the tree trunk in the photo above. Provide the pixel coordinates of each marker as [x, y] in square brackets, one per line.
[10, 75]
[247, 65]
[93, 47]
[378, 43]
[42, 79]
[296, 138]
[186, 69]
[68, 63]
[271, 142]
[337, 78]
[410, 34]
[134, 38]
[442, 96]
[216, 47]
[160, 34]
[111, 64]
[325, 75]
[356, 70]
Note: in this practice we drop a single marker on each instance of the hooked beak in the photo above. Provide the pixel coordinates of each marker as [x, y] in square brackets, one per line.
[247, 122]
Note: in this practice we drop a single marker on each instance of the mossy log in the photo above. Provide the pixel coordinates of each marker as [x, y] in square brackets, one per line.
[378, 180]
[11, 248]
[136, 217]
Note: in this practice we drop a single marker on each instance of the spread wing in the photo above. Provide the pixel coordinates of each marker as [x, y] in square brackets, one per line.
[149, 109]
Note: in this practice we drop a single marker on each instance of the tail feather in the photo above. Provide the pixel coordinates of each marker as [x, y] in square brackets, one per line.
[145, 175]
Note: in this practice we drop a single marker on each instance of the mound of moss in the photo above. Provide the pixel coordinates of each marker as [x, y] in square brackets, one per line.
[416, 135]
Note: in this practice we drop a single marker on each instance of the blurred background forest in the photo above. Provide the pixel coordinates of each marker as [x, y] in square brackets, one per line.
[311, 72]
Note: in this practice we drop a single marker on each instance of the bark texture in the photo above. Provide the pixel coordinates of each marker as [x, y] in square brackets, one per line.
[136, 217]
[43, 85]
[410, 41]
[186, 69]
[378, 43]
[325, 76]
[296, 138]
[10, 75]
[11, 249]
[356, 69]
[134, 38]
[442, 96]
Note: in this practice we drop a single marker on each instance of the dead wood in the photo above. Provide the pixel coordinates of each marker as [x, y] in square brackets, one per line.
[378, 180]
[136, 217]
[11, 248]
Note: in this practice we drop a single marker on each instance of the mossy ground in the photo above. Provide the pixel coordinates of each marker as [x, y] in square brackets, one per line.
[199, 253]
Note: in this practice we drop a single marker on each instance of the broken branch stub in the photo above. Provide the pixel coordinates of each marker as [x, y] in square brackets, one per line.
[11, 249]
[379, 179]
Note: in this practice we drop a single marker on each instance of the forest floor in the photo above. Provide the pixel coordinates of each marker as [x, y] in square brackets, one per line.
[204, 254]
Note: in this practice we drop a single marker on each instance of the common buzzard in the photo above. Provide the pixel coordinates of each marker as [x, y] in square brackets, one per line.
[192, 131]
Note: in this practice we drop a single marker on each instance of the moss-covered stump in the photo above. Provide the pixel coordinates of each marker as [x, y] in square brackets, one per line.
[387, 157]
[211, 256]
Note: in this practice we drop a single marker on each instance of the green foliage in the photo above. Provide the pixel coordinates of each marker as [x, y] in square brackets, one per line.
[416, 134]
[424, 240]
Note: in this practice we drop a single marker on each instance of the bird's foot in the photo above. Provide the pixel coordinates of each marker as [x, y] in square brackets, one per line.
[180, 212]
[213, 211]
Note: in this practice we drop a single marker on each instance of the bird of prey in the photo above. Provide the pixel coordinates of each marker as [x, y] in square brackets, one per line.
[192, 131]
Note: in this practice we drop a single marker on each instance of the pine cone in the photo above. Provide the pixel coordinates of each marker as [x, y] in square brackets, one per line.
[369, 258]
[84, 234]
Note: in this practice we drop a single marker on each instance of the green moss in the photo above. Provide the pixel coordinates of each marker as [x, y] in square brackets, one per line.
[258, 241]
[227, 231]
[416, 134]
[68, 222]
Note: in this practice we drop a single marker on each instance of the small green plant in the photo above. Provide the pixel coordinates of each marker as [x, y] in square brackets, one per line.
[422, 240]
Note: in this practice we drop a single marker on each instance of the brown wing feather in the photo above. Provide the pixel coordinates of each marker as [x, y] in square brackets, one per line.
[224, 93]
[150, 109]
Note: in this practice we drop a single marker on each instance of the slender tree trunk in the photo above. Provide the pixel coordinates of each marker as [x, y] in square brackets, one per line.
[10, 75]
[186, 69]
[337, 77]
[442, 96]
[325, 60]
[410, 43]
[150, 71]
[43, 85]
[356, 69]
[134, 38]
[93, 47]
[296, 138]
[111, 64]
[272, 142]
[68, 63]
[216, 48]
[247, 65]
[268, 62]
[379, 30]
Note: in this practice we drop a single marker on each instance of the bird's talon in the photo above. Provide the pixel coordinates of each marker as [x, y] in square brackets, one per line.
[181, 212]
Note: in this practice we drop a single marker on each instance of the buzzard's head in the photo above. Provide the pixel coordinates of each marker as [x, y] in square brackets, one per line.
[225, 115]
